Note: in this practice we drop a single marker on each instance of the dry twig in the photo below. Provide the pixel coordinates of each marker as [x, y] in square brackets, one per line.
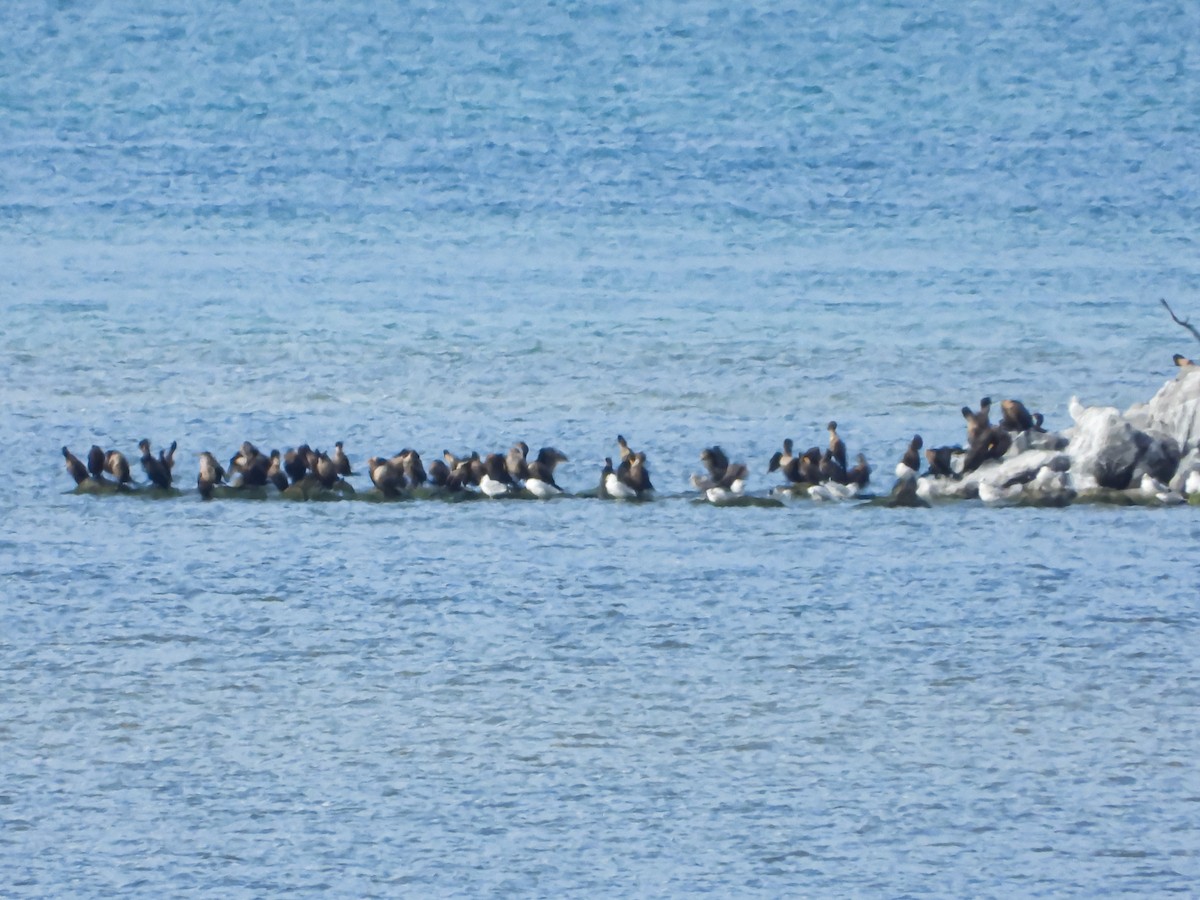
[1183, 323]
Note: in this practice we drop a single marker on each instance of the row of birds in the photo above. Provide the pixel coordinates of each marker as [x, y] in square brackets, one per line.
[302, 469]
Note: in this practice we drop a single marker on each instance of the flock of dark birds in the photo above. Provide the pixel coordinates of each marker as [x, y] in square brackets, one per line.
[302, 472]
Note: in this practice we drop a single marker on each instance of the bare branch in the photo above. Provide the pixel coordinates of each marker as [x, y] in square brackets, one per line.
[1183, 323]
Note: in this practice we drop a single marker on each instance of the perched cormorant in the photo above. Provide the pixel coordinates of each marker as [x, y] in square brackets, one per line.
[95, 463]
[157, 470]
[912, 456]
[117, 465]
[831, 469]
[837, 446]
[75, 468]
[637, 476]
[1014, 416]
[295, 462]
[977, 422]
[386, 475]
[991, 443]
[626, 453]
[340, 461]
[860, 473]
[211, 474]
[941, 460]
[810, 466]
[410, 463]
[275, 473]
[515, 461]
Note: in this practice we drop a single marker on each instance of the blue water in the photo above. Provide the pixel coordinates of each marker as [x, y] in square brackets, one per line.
[691, 223]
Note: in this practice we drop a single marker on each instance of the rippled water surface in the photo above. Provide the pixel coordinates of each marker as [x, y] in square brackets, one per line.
[458, 227]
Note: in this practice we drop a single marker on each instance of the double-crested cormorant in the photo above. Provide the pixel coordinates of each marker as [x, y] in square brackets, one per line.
[515, 461]
[1015, 417]
[860, 473]
[75, 468]
[211, 474]
[387, 475]
[340, 461]
[977, 422]
[295, 462]
[157, 470]
[275, 473]
[95, 463]
[912, 456]
[837, 447]
[117, 466]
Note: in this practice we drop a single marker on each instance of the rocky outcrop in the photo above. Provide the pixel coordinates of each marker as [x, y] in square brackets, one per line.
[1108, 451]
[1173, 412]
[1150, 453]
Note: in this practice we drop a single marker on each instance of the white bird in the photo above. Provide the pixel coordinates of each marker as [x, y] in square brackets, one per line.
[995, 495]
[1075, 408]
[832, 491]
[491, 487]
[613, 486]
[1191, 484]
[1152, 487]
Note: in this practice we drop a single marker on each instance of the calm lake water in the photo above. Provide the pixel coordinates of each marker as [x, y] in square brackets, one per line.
[689, 224]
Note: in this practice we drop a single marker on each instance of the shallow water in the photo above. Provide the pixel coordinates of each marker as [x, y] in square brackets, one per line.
[457, 228]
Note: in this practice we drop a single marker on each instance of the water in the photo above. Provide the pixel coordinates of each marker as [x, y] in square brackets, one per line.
[692, 223]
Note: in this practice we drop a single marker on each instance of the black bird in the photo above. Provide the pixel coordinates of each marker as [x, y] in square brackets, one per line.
[977, 422]
[211, 474]
[441, 476]
[722, 474]
[637, 476]
[715, 461]
[786, 464]
[341, 462]
[912, 457]
[387, 475]
[117, 465]
[860, 474]
[1014, 416]
[295, 463]
[323, 467]
[992, 443]
[515, 461]
[158, 470]
[941, 460]
[836, 445]
[95, 462]
[275, 473]
[810, 466]
[75, 468]
[831, 469]
[626, 453]
[413, 468]
[252, 465]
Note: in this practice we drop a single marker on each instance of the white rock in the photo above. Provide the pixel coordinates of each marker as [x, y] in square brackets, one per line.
[1108, 450]
[1174, 411]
